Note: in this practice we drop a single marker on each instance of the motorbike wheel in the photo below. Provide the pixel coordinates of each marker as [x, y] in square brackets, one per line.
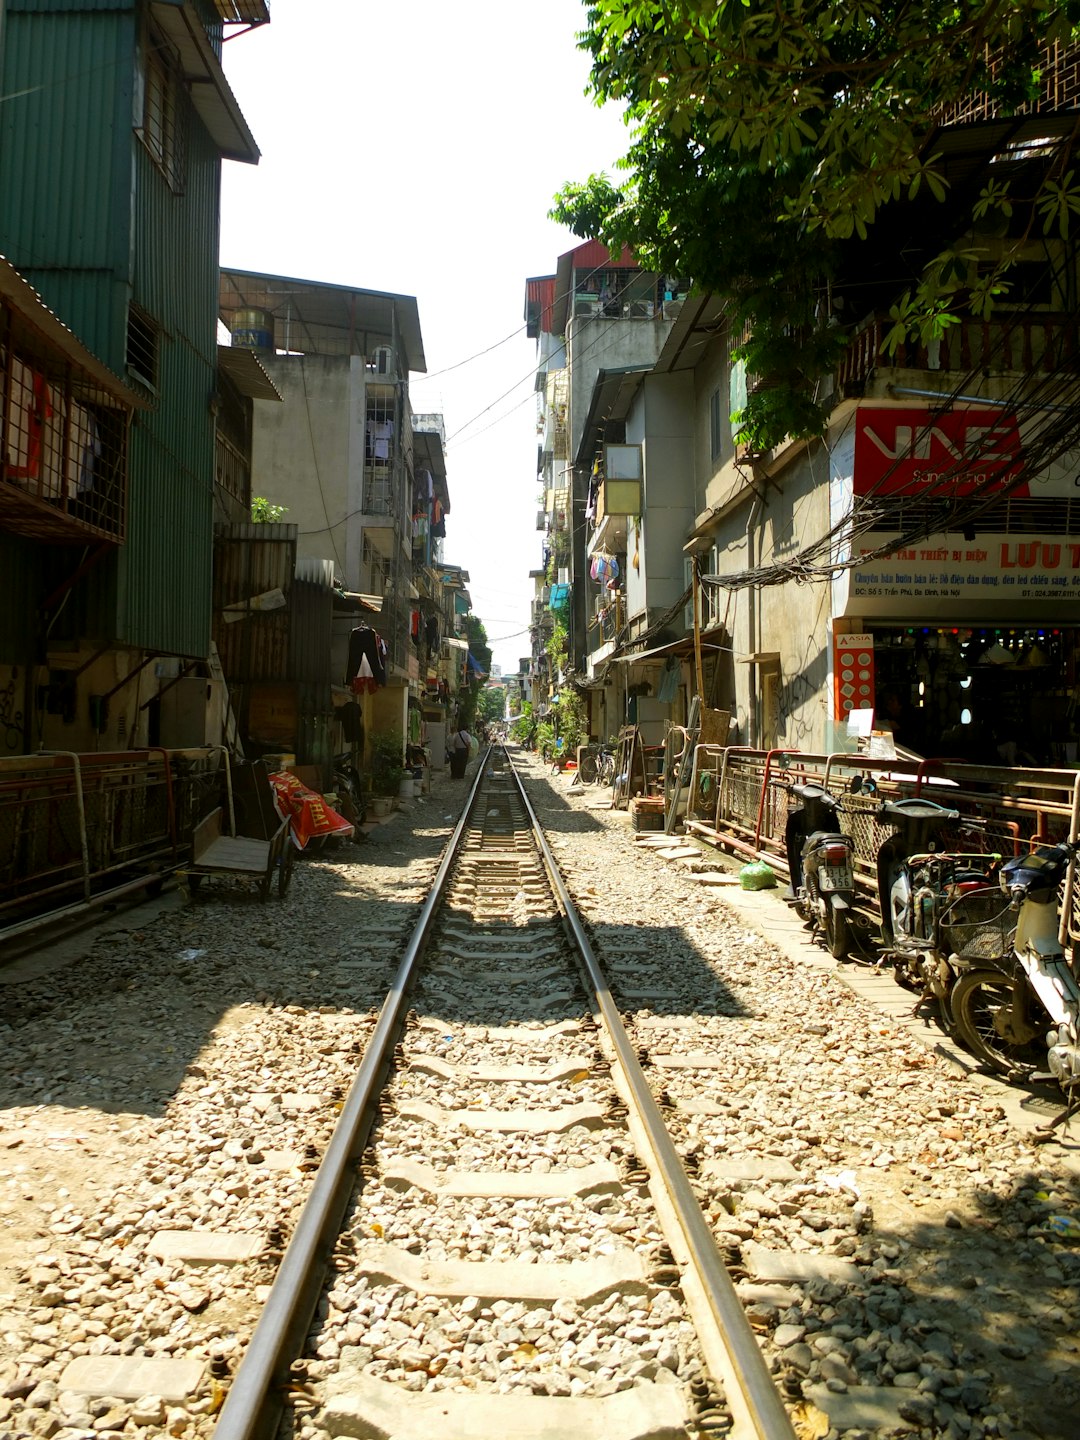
[837, 932]
[984, 1011]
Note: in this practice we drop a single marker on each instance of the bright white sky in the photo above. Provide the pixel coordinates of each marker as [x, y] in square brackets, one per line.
[414, 146]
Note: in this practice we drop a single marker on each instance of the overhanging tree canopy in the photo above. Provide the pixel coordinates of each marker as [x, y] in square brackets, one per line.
[768, 139]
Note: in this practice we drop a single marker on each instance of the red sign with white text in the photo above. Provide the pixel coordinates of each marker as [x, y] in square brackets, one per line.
[908, 452]
[853, 674]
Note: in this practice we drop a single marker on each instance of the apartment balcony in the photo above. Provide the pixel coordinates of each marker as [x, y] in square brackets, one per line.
[64, 422]
[608, 619]
[383, 506]
[232, 474]
[1022, 344]
[556, 430]
[1059, 78]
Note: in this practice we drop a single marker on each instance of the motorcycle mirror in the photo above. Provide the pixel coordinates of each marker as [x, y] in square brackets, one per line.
[783, 762]
[855, 785]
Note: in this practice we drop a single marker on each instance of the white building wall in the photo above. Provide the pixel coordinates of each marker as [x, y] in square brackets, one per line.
[595, 344]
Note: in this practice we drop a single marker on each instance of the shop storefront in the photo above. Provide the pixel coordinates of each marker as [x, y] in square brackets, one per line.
[983, 695]
[965, 643]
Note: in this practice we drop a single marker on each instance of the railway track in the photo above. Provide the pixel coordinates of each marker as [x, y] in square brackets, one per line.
[501, 1237]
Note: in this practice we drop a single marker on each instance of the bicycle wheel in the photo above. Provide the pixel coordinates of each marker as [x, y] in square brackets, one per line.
[606, 772]
[285, 869]
[587, 770]
[994, 1020]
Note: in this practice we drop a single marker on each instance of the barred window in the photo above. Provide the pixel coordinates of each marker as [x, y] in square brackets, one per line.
[161, 128]
[143, 334]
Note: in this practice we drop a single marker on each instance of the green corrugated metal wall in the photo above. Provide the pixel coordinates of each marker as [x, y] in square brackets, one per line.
[91, 222]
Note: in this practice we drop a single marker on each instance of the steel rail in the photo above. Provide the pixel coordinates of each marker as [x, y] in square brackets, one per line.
[749, 1389]
[256, 1396]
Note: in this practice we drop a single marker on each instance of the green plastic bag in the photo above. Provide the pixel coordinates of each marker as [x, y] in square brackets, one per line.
[757, 876]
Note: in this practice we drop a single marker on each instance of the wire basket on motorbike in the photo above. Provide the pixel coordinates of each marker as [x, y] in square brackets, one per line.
[978, 924]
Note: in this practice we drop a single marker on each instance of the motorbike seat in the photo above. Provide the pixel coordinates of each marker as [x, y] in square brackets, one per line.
[814, 792]
[912, 807]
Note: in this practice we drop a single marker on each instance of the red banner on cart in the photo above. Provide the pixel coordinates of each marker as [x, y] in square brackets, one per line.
[306, 810]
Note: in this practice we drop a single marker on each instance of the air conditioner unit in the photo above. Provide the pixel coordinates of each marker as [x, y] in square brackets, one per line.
[382, 360]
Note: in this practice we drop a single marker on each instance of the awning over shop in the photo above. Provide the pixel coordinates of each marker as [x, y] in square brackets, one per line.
[372, 603]
[683, 648]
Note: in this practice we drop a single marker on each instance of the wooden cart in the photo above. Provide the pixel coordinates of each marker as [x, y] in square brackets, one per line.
[239, 857]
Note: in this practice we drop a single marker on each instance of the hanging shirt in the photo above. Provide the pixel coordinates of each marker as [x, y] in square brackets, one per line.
[367, 647]
[380, 433]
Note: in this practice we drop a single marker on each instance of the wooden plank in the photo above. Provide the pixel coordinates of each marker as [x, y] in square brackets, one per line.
[206, 834]
[239, 853]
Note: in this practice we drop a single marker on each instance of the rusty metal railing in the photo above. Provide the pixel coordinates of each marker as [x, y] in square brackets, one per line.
[75, 828]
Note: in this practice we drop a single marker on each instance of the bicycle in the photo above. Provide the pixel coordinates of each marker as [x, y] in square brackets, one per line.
[597, 766]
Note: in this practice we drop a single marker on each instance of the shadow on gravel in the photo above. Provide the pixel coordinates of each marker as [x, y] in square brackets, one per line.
[654, 969]
[561, 815]
[993, 1286]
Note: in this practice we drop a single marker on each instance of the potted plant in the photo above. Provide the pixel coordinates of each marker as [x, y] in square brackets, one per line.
[387, 753]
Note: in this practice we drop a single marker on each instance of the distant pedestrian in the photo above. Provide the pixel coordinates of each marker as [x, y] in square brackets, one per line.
[460, 748]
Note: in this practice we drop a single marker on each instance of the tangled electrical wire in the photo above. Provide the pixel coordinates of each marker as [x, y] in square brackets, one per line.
[1050, 403]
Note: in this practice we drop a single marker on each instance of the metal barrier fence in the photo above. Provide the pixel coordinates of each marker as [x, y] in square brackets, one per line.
[740, 797]
[74, 826]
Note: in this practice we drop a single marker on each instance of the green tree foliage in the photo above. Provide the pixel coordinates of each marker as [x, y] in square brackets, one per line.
[490, 704]
[765, 137]
[264, 513]
[524, 727]
[480, 650]
[558, 644]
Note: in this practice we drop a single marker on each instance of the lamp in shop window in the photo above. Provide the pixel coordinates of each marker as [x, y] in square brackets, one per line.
[997, 654]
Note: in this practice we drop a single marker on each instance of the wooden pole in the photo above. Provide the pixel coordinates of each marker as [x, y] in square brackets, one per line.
[697, 632]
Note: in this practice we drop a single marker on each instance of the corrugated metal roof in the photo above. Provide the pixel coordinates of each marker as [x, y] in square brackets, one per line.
[591, 255]
[25, 300]
[210, 91]
[243, 12]
[539, 298]
[246, 373]
[322, 319]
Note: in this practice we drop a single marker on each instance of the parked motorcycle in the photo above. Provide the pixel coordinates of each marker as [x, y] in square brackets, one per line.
[820, 862]
[348, 783]
[934, 901]
[1024, 1011]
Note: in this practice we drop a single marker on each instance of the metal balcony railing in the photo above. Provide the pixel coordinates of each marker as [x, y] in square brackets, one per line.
[1020, 344]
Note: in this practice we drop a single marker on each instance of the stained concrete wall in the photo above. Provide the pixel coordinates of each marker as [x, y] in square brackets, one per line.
[304, 453]
[793, 621]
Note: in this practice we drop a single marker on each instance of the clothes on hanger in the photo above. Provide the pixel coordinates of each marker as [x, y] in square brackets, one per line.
[366, 668]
